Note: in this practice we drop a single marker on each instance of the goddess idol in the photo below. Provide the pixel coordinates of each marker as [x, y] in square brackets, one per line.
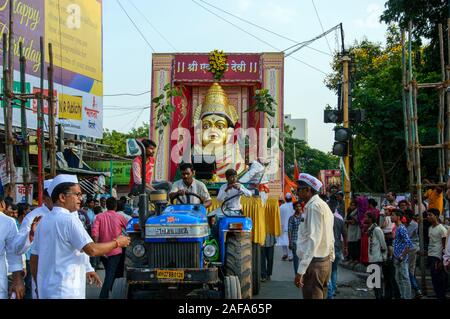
[215, 121]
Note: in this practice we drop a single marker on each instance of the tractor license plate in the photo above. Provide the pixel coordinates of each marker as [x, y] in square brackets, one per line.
[170, 274]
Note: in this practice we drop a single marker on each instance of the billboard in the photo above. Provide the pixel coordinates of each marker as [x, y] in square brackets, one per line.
[330, 177]
[121, 170]
[74, 28]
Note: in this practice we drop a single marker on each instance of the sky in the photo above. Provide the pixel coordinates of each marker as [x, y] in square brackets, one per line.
[184, 26]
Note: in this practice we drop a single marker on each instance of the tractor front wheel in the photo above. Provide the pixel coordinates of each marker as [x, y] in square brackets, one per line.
[238, 261]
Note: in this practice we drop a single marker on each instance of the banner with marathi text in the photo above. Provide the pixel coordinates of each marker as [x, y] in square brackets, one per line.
[243, 67]
[74, 28]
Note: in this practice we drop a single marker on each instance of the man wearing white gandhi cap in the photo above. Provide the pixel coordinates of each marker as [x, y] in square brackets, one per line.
[315, 245]
[24, 239]
[61, 245]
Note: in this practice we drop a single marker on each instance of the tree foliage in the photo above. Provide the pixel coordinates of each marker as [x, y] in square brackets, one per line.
[309, 160]
[117, 140]
[379, 148]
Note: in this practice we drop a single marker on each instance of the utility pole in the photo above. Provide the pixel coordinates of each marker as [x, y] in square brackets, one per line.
[345, 92]
[9, 110]
[40, 130]
[51, 114]
[23, 115]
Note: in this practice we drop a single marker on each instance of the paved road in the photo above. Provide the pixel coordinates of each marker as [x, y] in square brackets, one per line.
[282, 284]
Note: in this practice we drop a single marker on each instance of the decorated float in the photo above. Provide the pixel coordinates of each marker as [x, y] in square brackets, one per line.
[229, 107]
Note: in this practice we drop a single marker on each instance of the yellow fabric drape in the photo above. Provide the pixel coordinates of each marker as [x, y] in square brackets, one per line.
[265, 219]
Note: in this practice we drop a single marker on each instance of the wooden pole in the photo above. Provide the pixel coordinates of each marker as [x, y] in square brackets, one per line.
[408, 135]
[5, 99]
[447, 73]
[413, 105]
[23, 122]
[8, 121]
[40, 130]
[442, 90]
[51, 113]
[345, 86]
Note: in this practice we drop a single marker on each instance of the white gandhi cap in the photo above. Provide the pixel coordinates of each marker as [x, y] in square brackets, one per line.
[60, 179]
[47, 183]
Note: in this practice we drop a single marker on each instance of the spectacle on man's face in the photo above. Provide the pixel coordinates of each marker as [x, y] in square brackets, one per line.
[72, 198]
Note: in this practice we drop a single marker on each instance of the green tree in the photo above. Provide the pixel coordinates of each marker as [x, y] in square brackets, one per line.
[379, 160]
[425, 17]
[309, 160]
[117, 140]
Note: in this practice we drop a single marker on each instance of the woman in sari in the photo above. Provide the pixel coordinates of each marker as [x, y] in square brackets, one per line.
[363, 206]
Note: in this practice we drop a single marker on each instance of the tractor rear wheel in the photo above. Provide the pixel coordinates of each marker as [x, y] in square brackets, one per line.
[238, 261]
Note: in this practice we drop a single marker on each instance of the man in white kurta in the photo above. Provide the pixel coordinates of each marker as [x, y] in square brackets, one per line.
[315, 245]
[66, 278]
[24, 239]
[9, 261]
[231, 192]
[286, 211]
[61, 245]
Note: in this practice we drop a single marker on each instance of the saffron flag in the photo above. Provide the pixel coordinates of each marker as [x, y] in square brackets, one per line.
[296, 170]
[289, 187]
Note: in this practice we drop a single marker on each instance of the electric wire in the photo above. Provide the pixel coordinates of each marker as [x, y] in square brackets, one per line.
[153, 27]
[321, 25]
[260, 27]
[127, 94]
[254, 36]
[134, 24]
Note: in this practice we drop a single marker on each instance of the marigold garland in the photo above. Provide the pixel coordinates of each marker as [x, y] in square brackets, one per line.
[217, 64]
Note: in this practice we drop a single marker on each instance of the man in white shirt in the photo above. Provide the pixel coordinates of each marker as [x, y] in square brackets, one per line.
[256, 178]
[437, 234]
[188, 184]
[446, 257]
[316, 240]
[9, 261]
[61, 245]
[286, 211]
[24, 239]
[232, 189]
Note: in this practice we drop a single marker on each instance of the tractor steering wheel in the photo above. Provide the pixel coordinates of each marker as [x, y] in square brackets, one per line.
[227, 200]
[177, 197]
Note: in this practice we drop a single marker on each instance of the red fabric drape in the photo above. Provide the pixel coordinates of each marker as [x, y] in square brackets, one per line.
[181, 119]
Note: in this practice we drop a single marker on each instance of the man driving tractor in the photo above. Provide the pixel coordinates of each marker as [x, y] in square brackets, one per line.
[188, 184]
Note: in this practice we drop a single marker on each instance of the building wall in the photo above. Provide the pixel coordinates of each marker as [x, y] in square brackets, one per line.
[301, 127]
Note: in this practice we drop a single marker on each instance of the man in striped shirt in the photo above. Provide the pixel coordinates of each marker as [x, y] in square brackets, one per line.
[293, 225]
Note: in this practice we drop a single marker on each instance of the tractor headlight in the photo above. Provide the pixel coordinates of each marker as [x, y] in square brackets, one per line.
[209, 251]
[139, 250]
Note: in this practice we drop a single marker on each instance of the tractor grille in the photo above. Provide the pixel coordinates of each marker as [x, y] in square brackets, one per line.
[174, 255]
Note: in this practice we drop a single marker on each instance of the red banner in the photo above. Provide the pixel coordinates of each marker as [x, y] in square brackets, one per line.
[330, 177]
[195, 68]
[181, 120]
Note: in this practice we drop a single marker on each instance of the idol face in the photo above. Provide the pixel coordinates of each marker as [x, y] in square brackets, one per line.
[214, 130]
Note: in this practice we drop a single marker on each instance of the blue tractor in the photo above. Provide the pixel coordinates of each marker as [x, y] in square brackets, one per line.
[176, 253]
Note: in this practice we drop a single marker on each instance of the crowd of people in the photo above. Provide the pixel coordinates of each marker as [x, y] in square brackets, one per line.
[96, 228]
[387, 236]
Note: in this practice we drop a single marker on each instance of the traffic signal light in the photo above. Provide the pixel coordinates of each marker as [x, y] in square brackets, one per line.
[357, 116]
[332, 116]
[342, 137]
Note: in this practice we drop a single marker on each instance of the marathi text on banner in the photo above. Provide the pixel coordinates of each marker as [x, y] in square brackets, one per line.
[70, 107]
[239, 67]
[21, 193]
